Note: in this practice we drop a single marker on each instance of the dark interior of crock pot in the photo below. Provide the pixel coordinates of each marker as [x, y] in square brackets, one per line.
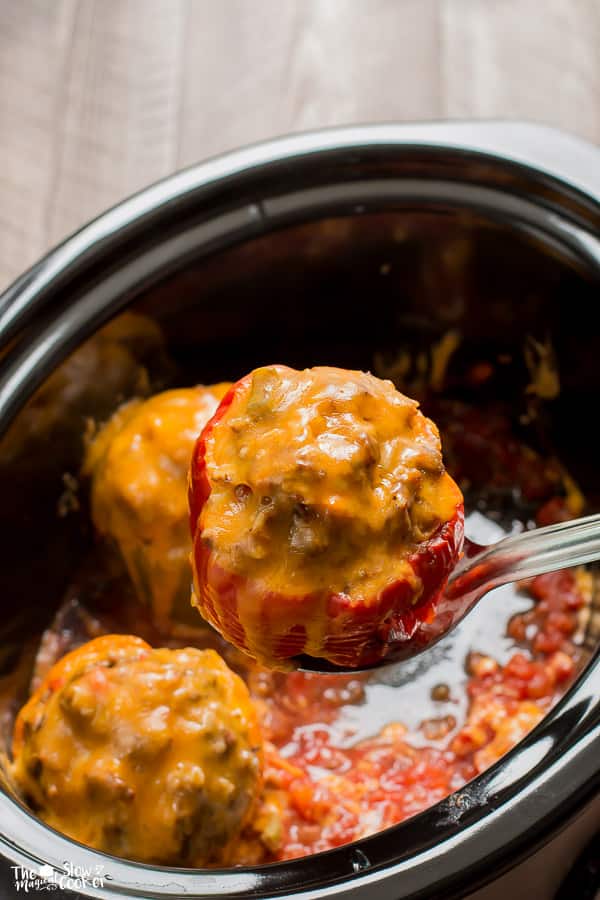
[352, 291]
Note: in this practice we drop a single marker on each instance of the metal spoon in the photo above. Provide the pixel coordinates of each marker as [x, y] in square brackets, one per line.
[480, 570]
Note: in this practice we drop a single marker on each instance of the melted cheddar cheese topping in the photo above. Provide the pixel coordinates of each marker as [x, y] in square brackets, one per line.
[138, 464]
[323, 479]
[153, 755]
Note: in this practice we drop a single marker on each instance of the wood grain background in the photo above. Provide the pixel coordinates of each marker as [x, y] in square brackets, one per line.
[101, 97]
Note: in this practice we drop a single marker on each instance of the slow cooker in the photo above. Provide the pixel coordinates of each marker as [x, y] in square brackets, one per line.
[328, 247]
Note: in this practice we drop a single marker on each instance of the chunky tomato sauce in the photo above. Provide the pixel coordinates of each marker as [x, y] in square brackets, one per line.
[329, 794]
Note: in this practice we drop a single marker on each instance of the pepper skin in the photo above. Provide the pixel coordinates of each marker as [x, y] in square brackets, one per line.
[322, 518]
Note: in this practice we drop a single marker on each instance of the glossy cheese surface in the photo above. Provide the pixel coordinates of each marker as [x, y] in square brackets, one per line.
[150, 754]
[138, 465]
[312, 491]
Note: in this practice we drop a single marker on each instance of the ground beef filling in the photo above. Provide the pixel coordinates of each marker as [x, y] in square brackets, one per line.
[153, 755]
[323, 479]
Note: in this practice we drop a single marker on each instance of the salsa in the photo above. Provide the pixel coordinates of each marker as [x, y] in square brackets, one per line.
[331, 794]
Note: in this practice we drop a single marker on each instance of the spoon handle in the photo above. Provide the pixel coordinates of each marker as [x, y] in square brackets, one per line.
[528, 554]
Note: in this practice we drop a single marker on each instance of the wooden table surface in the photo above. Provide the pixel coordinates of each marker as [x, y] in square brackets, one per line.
[101, 97]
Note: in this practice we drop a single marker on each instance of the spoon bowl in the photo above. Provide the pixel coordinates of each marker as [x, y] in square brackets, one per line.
[480, 570]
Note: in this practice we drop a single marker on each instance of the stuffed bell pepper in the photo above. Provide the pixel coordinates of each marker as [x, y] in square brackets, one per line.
[323, 519]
